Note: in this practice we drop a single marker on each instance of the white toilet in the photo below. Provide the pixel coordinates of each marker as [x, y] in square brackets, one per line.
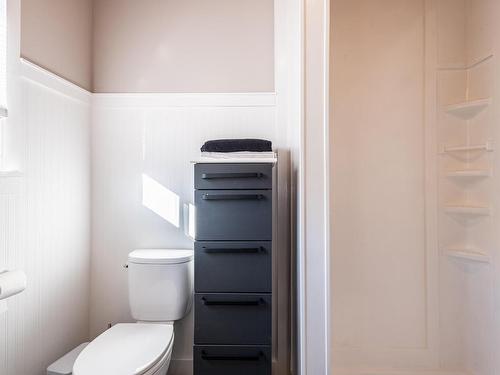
[160, 292]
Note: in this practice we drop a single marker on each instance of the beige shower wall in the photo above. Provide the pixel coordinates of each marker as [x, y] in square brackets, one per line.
[57, 35]
[470, 290]
[402, 296]
[384, 256]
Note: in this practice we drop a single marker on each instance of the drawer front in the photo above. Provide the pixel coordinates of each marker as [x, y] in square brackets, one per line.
[243, 267]
[233, 319]
[232, 360]
[233, 176]
[233, 215]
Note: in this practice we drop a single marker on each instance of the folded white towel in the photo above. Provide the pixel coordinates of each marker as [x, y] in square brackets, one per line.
[236, 155]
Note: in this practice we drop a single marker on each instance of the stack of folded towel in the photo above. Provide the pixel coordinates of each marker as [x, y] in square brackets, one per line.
[237, 149]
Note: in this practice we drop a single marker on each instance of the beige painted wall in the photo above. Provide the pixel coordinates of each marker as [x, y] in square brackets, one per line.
[57, 35]
[153, 45]
[183, 46]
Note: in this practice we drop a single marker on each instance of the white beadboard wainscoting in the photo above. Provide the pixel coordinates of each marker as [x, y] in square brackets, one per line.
[144, 143]
[11, 339]
[45, 225]
[135, 143]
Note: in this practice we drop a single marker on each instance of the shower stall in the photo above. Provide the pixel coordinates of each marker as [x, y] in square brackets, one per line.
[415, 187]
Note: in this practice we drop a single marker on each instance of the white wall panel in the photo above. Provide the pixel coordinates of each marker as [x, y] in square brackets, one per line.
[45, 228]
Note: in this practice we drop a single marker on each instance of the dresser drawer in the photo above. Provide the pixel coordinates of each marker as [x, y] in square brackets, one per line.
[233, 215]
[235, 319]
[229, 266]
[232, 360]
[233, 176]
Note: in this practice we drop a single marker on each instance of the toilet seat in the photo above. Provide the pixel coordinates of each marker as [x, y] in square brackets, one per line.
[127, 349]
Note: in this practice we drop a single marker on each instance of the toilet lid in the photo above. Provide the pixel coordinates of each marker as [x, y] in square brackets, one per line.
[125, 349]
[160, 256]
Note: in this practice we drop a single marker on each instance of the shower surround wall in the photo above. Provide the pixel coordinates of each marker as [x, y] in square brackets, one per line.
[384, 255]
[415, 258]
[468, 116]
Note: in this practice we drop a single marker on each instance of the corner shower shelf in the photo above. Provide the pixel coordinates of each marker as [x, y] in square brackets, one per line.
[468, 254]
[468, 110]
[469, 173]
[464, 66]
[468, 210]
[480, 147]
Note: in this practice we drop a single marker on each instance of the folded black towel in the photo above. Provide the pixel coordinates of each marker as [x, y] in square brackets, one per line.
[236, 145]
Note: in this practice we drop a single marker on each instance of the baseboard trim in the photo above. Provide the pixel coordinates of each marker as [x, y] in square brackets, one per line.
[181, 367]
[368, 371]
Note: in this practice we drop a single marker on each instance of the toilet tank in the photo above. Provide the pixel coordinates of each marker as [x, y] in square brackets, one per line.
[160, 284]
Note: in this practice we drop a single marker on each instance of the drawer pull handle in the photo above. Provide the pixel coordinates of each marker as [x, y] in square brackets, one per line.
[254, 302]
[213, 176]
[208, 357]
[242, 250]
[232, 197]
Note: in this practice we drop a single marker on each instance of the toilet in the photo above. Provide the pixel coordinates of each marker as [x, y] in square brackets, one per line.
[160, 292]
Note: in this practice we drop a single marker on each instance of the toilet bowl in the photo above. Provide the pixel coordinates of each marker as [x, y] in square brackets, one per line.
[160, 292]
[128, 349]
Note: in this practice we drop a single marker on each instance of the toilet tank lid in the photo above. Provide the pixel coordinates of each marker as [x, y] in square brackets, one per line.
[160, 256]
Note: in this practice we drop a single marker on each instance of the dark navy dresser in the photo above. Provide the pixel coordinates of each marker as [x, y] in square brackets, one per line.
[233, 269]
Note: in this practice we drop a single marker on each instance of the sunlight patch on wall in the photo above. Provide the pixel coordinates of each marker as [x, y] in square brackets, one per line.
[161, 200]
[189, 222]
